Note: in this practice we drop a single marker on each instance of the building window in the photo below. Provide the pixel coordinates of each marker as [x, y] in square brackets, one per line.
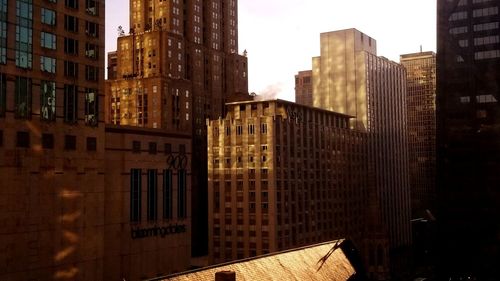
[167, 194]
[135, 195]
[1, 138]
[92, 29]
[136, 146]
[48, 100]
[91, 107]
[48, 40]
[72, 4]
[48, 16]
[71, 23]
[69, 142]
[152, 195]
[70, 69]
[24, 35]
[91, 73]
[70, 103]
[181, 189]
[47, 64]
[458, 16]
[152, 148]
[47, 141]
[23, 140]
[22, 98]
[91, 51]
[490, 11]
[92, 7]
[3, 31]
[70, 46]
[91, 144]
[3, 94]
[168, 148]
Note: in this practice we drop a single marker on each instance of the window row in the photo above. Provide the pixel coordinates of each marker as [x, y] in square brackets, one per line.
[167, 194]
[23, 97]
[23, 140]
[91, 6]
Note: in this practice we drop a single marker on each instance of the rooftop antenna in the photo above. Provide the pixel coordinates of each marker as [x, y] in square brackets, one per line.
[420, 48]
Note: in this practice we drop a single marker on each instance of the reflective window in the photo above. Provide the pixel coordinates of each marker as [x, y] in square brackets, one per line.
[48, 100]
[22, 98]
[91, 107]
[92, 7]
[48, 16]
[48, 40]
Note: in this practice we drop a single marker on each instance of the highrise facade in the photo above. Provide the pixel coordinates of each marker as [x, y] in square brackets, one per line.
[303, 88]
[284, 175]
[468, 134]
[51, 139]
[349, 78]
[421, 110]
[177, 67]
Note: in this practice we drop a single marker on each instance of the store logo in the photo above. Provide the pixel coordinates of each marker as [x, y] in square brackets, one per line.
[138, 233]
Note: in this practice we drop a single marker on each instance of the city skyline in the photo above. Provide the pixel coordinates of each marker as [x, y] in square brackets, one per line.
[298, 41]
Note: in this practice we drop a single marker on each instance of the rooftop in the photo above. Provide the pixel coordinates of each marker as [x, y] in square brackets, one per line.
[326, 261]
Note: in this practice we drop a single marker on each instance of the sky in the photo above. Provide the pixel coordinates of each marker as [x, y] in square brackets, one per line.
[282, 36]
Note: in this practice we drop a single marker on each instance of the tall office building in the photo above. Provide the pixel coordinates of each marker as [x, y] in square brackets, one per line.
[177, 67]
[468, 133]
[303, 88]
[51, 139]
[349, 78]
[284, 175]
[421, 107]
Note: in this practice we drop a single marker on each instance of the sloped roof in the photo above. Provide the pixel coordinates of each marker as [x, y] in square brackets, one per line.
[324, 261]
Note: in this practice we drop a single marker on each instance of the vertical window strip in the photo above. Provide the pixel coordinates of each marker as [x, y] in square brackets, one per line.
[3, 94]
[181, 189]
[152, 195]
[135, 195]
[167, 194]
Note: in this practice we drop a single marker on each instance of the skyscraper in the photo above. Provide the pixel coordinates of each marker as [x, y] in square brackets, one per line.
[303, 88]
[468, 133]
[349, 78]
[177, 67]
[284, 175]
[421, 107]
[51, 139]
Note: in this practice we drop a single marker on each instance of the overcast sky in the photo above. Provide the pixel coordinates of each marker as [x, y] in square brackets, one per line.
[281, 36]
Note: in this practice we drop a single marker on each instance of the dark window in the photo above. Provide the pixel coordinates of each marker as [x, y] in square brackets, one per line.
[167, 194]
[135, 195]
[91, 144]
[136, 146]
[3, 95]
[70, 46]
[70, 103]
[1, 138]
[152, 195]
[91, 107]
[70, 23]
[23, 139]
[92, 29]
[47, 141]
[168, 148]
[182, 149]
[69, 142]
[91, 51]
[23, 98]
[91, 73]
[92, 7]
[70, 69]
[181, 189]
[152, 148]
[72, 4]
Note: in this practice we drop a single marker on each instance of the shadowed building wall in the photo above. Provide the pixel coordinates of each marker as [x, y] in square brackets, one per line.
[468, 133]
[51, 140]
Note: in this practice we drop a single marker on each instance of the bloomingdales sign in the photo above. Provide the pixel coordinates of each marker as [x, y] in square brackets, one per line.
[138, 233]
